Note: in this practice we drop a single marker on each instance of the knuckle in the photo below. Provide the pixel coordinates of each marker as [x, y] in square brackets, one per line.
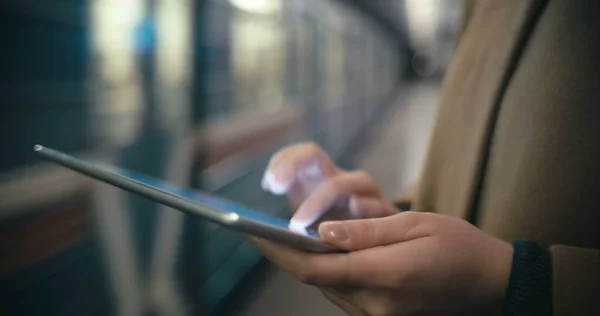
[276, 158]
[312, 147]
[309, 148]
[363, 175]
[363, 234]
[315, 151]
[366, 177]
[284, 151]
[367, 182]
[409, 217]
[369, 232]
[335, 184]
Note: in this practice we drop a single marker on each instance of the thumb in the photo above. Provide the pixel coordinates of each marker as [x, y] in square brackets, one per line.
[353, 235]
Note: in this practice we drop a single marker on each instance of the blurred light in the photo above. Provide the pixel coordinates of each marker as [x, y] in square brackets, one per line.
[117, 28]
[113, 23]
[422, 18]
[257, 62]
[173, 19]
[257, 6]
[144, 35]
[173, 63]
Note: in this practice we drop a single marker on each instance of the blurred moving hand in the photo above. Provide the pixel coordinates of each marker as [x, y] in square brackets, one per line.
[406, 264]
[319, 189]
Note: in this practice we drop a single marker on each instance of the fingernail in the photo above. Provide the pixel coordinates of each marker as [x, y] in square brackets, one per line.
[267, 180]
[335, 231]
[270, 183]
[264, 184]
[278, 188]
[298, 227]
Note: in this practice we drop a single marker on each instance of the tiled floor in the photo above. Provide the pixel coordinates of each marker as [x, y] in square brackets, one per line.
[394, 160]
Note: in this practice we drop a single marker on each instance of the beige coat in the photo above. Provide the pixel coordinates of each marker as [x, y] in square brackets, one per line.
[516, 146]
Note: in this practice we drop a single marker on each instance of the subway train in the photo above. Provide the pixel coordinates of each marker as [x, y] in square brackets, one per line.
[199, 93]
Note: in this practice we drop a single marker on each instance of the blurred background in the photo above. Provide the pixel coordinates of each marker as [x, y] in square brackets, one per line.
[201, 93]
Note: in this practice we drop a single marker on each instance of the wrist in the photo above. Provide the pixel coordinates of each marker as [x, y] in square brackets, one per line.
[503, 260]
[491, 290]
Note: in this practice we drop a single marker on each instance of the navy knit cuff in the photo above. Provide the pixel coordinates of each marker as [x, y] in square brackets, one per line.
[403, 207]
[530, 284]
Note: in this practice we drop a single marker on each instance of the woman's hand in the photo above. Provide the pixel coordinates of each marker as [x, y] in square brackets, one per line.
[317, 188]
[407, 264]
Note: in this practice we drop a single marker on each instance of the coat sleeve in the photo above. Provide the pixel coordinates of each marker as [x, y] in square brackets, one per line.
[576, 280]
[562, 281]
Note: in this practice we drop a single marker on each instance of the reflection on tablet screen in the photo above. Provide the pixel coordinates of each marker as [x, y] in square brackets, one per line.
[211, 201]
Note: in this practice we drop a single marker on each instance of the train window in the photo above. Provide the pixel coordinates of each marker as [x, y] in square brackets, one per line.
[258, 56]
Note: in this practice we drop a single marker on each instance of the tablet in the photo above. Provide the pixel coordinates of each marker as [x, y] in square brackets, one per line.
[215, 209]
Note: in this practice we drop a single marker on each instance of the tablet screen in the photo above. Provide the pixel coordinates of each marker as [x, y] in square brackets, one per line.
[208, 200]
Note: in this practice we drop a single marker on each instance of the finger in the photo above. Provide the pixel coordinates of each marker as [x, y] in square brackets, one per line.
[306, 159]
[369, 207]
[296, 195]
[356, 269]
[252, 239]
[361, 234]
[310, 268]
[371, 267]
[331, 191]
[280, 172]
